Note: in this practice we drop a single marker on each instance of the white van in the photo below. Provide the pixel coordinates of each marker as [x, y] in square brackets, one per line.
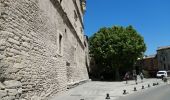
[161, 74]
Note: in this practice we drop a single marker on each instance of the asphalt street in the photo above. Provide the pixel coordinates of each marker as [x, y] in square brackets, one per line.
[97, 90]
[158, 93]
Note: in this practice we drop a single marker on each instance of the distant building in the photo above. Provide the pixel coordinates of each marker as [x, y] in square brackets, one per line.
[163, 56]
[149, 63]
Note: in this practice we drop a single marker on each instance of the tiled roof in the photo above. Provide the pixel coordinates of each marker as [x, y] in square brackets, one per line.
[150, 56]
[163, 47]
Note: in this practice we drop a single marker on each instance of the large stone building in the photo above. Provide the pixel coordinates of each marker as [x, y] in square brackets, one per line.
[43, 49]
[148, 63]
[163, 55]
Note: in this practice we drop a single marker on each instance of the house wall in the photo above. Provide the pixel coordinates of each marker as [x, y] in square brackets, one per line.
[163, 59]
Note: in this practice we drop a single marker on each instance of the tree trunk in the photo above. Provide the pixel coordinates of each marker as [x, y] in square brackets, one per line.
[117, 75]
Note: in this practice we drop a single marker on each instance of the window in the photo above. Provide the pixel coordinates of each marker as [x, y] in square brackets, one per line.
[65, 30]
[84, 43]
[168, 66]
[60, 44]
[60, 1]
[81, 30]
[75, 55]
[75, 15]
[163, 58]
[164, 67]
[67, 63]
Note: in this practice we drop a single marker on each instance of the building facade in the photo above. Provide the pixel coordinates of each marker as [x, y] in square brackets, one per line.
[42, 47]
[163, 55]
[150, 64]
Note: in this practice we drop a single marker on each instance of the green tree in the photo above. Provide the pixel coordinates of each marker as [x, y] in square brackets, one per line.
[116, 47]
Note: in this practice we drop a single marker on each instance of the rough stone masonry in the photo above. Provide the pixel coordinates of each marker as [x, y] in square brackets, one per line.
[43, 49]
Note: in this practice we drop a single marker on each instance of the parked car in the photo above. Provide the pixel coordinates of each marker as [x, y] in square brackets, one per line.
[161, 74]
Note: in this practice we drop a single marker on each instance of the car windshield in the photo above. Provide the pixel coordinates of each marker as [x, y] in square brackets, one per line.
[160, 72]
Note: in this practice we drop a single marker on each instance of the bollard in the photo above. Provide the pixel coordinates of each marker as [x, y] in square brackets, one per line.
[157, 83]
[165, 79]
[143, 87]
[124, 92]
[148, 85]
[135, 89]
[81, 99]
[107, 96]
[153, 84]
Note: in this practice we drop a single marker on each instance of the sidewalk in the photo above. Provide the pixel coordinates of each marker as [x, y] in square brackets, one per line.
[96, 90]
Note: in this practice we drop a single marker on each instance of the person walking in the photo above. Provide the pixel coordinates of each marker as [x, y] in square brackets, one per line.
[141, 76]
[126, 77]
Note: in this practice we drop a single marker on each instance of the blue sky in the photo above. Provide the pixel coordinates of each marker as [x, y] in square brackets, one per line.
[151, 18]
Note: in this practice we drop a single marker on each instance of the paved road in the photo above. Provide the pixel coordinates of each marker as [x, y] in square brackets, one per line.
[97, 90]
[158, 93]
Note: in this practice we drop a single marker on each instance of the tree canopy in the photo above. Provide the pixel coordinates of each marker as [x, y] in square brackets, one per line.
[116, 47]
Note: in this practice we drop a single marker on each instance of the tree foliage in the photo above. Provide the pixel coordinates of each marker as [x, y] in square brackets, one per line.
[116, 47]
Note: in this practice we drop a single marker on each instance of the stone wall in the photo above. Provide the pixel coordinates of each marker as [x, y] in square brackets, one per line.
[10, 90]
[39, 48]
[163, 57]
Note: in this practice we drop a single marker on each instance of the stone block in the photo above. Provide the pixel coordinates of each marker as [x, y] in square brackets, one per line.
[18, 78]
[9, 54]
[6, 33]
[8, 44]
[10, 84]
[8, 98]
[26, 38]
[2, 86]
[16, 47]
[24, 49]
[24, 53]
[2, 93]
[26, 44]
[12, 92]
[1, 57]
[12, 70]
[16, 38]
[18, 66]
[2, 48]
[11, 40]
[35, 98]
[2, 42]
[23, 99]
[15, 51]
